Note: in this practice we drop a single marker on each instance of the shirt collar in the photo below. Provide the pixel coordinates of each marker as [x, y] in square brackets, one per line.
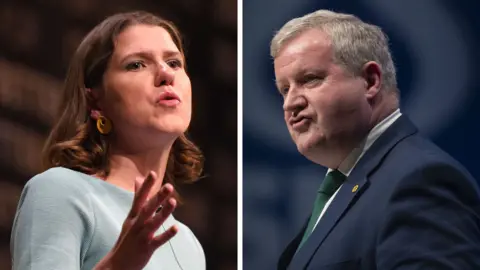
[347, 165]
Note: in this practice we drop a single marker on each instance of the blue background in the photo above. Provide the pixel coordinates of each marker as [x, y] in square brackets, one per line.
[435, 48]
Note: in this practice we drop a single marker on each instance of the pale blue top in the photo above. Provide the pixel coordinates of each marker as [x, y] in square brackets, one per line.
[68, 220]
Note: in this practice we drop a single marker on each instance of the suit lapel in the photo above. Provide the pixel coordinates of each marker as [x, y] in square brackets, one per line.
[346, 196]
[352, 189]
[288, 253]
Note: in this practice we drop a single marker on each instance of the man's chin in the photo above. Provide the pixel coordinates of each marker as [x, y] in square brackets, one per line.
[310, 147]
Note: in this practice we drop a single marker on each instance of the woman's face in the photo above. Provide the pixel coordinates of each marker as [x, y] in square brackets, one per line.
[146, 92]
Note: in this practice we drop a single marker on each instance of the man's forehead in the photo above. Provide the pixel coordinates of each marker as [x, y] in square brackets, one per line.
[308, 40]
[304, 52]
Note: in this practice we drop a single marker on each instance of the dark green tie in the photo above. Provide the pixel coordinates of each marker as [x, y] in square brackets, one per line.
[333, 180]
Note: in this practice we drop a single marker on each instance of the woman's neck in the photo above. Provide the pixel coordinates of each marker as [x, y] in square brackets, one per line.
[125, 167]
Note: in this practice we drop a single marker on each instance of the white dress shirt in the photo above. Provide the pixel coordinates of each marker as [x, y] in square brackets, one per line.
[352, 159]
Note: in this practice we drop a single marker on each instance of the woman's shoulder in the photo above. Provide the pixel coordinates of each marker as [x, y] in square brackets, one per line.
[54, 189]
[58, 181]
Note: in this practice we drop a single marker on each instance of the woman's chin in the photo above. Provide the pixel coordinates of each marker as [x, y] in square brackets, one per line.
[172, 129]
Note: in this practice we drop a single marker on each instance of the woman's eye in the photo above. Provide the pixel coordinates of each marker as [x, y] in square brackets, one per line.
[135, 65]
[175, 63]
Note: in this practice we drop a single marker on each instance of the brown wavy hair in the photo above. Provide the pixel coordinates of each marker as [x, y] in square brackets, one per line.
[74, 141]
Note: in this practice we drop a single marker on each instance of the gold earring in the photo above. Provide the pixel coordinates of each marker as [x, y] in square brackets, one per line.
[104, 125]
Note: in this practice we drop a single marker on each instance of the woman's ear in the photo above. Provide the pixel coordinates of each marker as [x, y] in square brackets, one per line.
[93, 98]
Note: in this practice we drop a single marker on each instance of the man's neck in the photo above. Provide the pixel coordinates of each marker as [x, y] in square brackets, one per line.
[384, 107]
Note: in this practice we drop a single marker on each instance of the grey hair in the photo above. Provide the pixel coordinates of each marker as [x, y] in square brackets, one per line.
[354, 42]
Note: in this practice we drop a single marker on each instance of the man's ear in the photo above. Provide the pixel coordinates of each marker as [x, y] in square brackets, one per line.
[372, 74]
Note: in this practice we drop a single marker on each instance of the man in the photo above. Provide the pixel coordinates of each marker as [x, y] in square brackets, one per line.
[391, 199]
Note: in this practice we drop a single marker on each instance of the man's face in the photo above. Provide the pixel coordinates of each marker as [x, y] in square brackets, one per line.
[326, 108]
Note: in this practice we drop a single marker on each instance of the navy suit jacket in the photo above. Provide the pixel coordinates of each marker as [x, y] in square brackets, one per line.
[406, 205]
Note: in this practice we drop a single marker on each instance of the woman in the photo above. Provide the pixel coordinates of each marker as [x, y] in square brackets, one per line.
[126, 107]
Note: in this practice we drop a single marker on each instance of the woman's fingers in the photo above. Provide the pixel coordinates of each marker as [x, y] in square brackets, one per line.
[138, 184]
[159, 218]
[157, 201]
[160, 240]
[146, 222]
[141, 194]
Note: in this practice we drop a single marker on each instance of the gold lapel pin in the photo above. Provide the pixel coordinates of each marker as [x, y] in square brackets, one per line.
[355, 188]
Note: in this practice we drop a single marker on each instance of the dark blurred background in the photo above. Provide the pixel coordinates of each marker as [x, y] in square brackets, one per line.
[435, 47]
[37, 39]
